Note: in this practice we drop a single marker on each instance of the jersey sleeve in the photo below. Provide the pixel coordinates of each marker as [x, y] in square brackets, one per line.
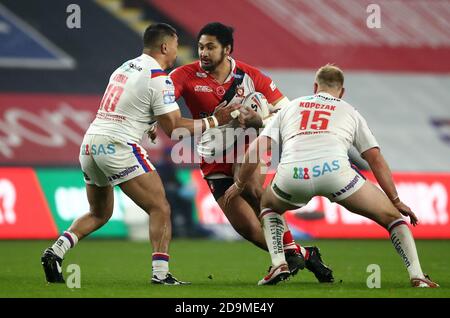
[178, 77]
[266, 86]
[163, 96]
[272, 130]
[364, 139]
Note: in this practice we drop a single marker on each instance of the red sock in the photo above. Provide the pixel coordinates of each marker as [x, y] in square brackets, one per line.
[289, 243]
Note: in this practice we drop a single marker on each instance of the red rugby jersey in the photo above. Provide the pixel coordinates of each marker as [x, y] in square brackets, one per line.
[202, 93]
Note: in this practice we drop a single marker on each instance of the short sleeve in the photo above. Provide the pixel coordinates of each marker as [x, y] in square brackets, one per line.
[266, 86]
[272, 129]
[163, 96]
[364, 139]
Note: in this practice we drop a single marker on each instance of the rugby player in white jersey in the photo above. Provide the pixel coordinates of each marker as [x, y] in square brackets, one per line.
[138, 93]
[316, 133]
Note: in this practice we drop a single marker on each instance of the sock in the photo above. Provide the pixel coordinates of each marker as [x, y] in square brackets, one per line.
[273, 228]
[65, 242]
[403, 242]
[160, 265]
[288, 240]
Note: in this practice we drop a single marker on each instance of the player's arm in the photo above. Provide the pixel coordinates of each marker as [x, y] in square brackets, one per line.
[259, 146]
[383, 174]
[173, 120]
[369, 149]
[279, 103]
[276, 106]
[167, 112]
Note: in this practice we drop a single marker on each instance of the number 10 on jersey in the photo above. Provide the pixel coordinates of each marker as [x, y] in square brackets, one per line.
[111, 98]
[319, 120]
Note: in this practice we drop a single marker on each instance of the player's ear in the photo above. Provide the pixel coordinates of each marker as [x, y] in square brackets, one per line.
[163, 48]
[342, 92]
[228, 49]
[316, 86]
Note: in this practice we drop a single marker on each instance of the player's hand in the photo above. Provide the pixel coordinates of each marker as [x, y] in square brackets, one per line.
[223, 112]
[151, 132]
[249, 118]
[232, 192]
[406, 211]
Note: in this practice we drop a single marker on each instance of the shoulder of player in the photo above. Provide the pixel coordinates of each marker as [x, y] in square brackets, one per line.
[159, 79]
[252, 71]
[187, 69]
[348, 105]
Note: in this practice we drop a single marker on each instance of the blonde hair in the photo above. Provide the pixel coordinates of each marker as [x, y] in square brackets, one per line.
[330, 76]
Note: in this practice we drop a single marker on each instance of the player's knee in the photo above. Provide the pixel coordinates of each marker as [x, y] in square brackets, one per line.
[253, 194]
[388, 217]
[250, 232]
[255, 191]
[102, 215]
[162, 206]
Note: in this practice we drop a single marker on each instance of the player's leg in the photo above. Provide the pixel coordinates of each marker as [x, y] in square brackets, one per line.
[101, 202]
[371, 202]
[301, 191]
[147, 191]
[243, 219]
[252, 195]
[101, 205]
[273, 227]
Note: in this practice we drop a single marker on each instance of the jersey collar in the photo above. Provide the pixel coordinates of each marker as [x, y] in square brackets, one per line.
[230, 76]
[327, 96]
[149, 58]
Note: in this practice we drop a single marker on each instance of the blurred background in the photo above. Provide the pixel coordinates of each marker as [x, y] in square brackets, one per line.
[55, 65]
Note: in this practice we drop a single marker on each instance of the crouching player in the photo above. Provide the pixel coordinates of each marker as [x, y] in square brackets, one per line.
[317, 131]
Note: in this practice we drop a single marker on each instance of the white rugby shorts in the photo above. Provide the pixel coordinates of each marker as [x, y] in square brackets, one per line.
[297, 183]
[106, 160]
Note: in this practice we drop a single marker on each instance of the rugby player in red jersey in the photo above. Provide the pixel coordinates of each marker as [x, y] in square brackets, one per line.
[216, 78]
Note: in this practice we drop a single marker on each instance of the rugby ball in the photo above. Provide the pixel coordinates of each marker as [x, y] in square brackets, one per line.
[257, 102]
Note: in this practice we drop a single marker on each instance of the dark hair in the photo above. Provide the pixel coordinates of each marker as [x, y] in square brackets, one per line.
[222, 32]
[155, 33]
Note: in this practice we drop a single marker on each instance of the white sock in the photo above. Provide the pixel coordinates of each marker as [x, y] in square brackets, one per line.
[403, 241]
[160, 265]
[273, 233]
[65, 242]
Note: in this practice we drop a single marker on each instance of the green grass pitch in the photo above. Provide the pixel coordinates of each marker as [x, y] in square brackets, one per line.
[122, 269]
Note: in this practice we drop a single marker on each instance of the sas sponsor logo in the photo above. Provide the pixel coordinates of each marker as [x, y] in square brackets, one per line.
[203, 89]
[97, 150]
[169, 97]
[316, 171]
[123, 173]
